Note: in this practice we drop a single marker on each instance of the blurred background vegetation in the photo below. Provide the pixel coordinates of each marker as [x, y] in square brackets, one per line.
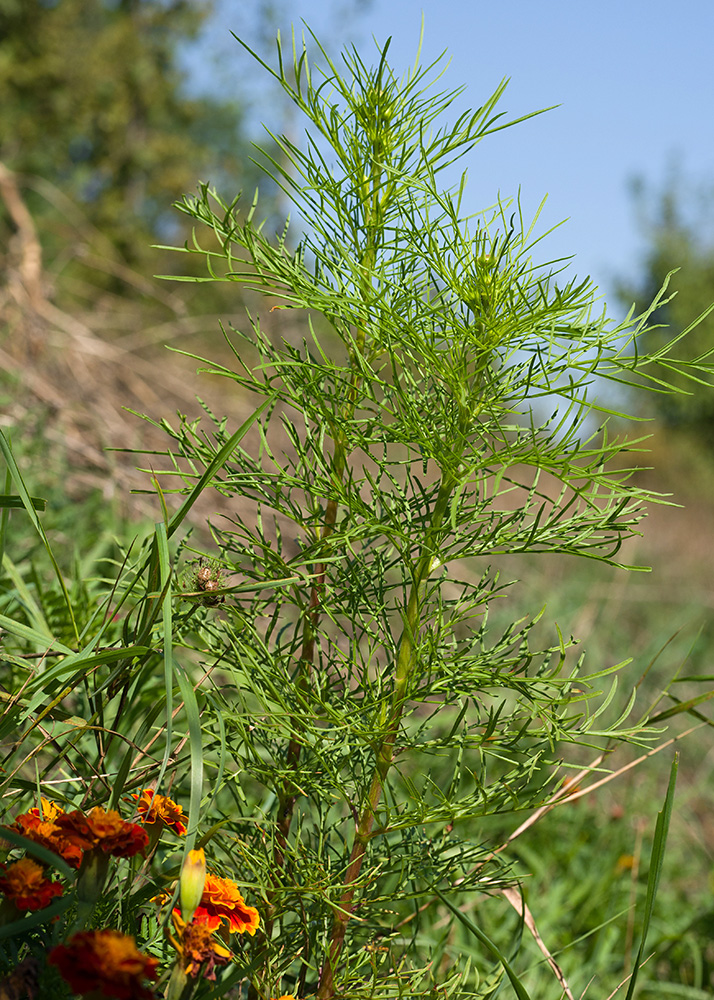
[99, 134]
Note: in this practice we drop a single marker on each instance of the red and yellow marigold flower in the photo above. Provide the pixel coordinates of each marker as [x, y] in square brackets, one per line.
[24, 882]
[197, 947]
[105, 830]
[49, 811]
[107, 962]
[41, 828]
[220, 901]
[153, 808]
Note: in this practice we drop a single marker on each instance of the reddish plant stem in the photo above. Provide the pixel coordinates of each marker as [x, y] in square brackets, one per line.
[288, 794]
[363, 834]
[286, 801]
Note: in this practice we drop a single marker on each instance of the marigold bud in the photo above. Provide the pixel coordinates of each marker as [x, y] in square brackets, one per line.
[193, 879]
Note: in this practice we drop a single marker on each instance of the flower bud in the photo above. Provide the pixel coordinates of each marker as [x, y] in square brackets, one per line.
[193, 879]
[92, 876]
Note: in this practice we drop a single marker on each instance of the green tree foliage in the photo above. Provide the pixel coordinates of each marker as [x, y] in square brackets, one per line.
[679, 238]
[93, 99]
[99, 134]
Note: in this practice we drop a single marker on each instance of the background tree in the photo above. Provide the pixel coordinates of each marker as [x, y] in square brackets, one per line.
[94, 100]
[99, 134]
[101, 130]
[677, 223]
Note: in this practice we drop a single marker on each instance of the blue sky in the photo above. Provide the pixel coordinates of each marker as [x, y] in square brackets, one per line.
[634, 81]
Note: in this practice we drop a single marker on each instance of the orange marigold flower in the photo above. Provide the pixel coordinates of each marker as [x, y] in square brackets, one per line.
[43, 830]
[49, 812]
[153, 808]
[24, 882]
[197, 947]
[221, 900]
[106, 961]
[105, 829]
[286, 996]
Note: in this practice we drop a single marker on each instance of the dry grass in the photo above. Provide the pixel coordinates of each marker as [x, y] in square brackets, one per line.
[74, 373]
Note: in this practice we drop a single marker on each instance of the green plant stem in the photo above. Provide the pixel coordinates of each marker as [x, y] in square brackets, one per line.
[406, 661]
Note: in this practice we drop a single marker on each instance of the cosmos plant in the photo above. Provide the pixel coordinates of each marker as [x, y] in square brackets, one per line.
[361, 715]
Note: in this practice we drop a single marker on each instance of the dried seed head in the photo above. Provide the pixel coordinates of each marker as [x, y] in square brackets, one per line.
[204, 576]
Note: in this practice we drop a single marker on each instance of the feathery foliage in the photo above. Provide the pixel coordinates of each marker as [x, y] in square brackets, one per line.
[328, 686]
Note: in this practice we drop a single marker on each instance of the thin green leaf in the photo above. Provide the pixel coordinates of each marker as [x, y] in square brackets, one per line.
[517, 985]
[656, 863]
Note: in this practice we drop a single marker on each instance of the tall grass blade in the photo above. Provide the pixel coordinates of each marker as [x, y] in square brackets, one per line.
[656, 862]
[517, 985]
[28, 504]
